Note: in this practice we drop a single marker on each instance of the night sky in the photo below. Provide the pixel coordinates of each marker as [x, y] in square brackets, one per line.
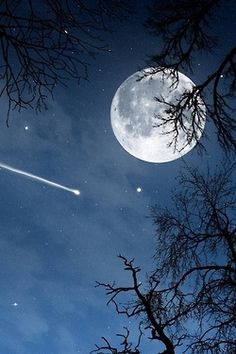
[55, 245]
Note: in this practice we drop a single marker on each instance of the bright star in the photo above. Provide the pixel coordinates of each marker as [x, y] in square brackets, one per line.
[139, 189]
[15, 304]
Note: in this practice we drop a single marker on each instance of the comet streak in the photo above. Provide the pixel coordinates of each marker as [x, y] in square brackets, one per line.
[40, 179]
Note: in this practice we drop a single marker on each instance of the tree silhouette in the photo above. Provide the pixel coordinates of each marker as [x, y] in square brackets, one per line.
[190, 299]
[43, 44]
[186, 29]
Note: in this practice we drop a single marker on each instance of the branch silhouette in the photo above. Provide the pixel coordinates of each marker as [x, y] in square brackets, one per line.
[188, 301]
[186, 29]
[44, 45]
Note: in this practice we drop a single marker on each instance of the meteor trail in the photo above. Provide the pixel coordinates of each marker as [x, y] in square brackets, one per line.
[40, 179]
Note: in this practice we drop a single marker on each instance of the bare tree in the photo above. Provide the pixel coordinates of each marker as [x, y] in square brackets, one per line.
[43, 44]
[186, 29]
[190, 299]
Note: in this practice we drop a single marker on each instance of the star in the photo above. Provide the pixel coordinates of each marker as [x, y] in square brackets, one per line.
[139, 189]
[26, 127]
[15, 304]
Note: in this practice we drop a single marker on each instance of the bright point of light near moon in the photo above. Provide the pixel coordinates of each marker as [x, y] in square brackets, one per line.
[139, 189]
[134, 113]
[26, 127]
[15, 304]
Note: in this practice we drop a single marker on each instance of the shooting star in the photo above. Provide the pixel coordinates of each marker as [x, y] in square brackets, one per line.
[40, 179]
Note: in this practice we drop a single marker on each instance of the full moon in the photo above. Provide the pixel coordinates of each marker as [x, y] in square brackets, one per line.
[135, 112]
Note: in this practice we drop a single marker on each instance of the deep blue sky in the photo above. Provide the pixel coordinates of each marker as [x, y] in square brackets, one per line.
[54, 245]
